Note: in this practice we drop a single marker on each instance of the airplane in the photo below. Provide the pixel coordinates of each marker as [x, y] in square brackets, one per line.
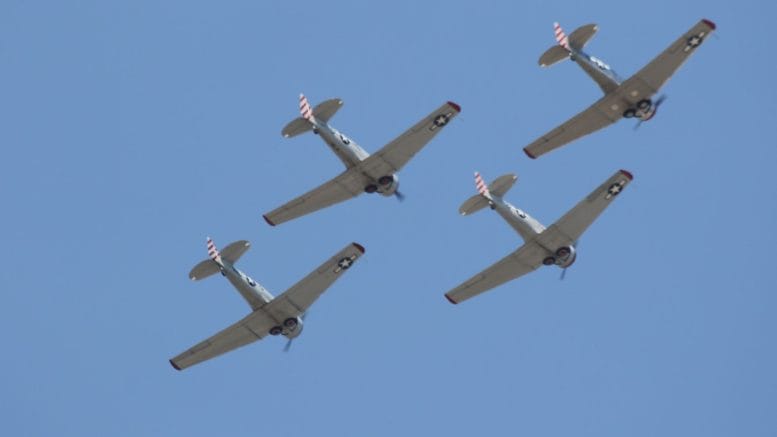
[282, 315]
[632, 98]
[551, 246]
[366, 173]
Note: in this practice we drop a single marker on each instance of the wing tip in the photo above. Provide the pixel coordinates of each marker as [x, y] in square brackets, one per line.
[709, 23]
[454, 106]
[175, 366]
[627, 174]
[269, 222]
[528, 153]
[450, 299]
[358, 246]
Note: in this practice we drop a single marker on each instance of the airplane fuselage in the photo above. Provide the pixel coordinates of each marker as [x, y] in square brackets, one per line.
[251, 290]
[352, 154]
[346, 149]
[525, 225]
[600, 72]
[256, 296]
[608, 80]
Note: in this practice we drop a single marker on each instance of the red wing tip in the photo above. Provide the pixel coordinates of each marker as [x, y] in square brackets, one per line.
[268, 220]
[450, 299]
[709, 23]
[359, 246]
[628, 174]
[529, 154]
[175, 366]
[455, 106]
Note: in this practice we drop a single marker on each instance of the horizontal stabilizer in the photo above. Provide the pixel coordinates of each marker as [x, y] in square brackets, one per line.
[581, 35]
[326, 109]
[234, 251]
[297, 126]
[553, 55]
[502, 184]
[204, 269]
[473, 204]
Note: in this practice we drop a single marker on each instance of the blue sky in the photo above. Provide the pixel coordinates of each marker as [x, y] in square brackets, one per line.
[131, 130]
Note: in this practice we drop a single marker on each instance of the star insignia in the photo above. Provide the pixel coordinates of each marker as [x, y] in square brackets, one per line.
[694, 41]
[440, 121]
[345, 263]
[615, 189]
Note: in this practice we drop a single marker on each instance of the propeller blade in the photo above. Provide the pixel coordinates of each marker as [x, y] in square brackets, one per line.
[563, 274]
[288, 346]
[399, 195]
[660, 100]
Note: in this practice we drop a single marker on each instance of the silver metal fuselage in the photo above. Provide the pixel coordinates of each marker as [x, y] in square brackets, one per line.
[600, 72]
[247, 287]
[346, 149]
[526, 226]
[254, 293]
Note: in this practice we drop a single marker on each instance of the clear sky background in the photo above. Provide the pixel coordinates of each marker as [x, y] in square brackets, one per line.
[131, 130]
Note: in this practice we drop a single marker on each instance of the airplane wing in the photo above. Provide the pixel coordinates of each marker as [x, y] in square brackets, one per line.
[348, 184]
[568, 229]
[394, 155]
[524, 260]
[597, 116]
[652, 77]
[253, 327]
[297, 299]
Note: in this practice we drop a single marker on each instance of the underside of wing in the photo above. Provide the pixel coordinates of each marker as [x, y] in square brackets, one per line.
[253, 327]
[652, 77]
[348, 184]
[524, 260]
[584, 123]
[568, 229]
[393, 156]
[297, 299]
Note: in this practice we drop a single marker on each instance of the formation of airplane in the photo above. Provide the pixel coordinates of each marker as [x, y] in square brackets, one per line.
[364, 173]
[377, 173]
[551, 246]
[630, 98]
[282, 315]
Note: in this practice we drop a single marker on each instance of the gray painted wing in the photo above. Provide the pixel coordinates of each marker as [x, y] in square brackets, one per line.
[649, 79]
[568, 229]
[524, 260]
[591, 120]
[253, 327]
[348, 184]
[394, 155]
[297, 299]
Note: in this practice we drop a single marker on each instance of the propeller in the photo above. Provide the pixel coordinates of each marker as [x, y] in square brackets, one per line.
[656, 104]
[288, 343]
[399, 195]
[564, 270]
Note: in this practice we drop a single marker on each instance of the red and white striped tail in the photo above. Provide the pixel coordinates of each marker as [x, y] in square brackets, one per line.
[481, 186]
[304, 108]
[561, 37]
[213, 253]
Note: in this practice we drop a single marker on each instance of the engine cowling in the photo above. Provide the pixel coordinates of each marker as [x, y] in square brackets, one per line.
[565, 256]
[296, 330]
[388, 185]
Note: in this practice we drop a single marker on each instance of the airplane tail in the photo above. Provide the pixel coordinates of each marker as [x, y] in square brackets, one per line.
[216, 259]
[309, 118]
[566, 46]
[486, 193]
